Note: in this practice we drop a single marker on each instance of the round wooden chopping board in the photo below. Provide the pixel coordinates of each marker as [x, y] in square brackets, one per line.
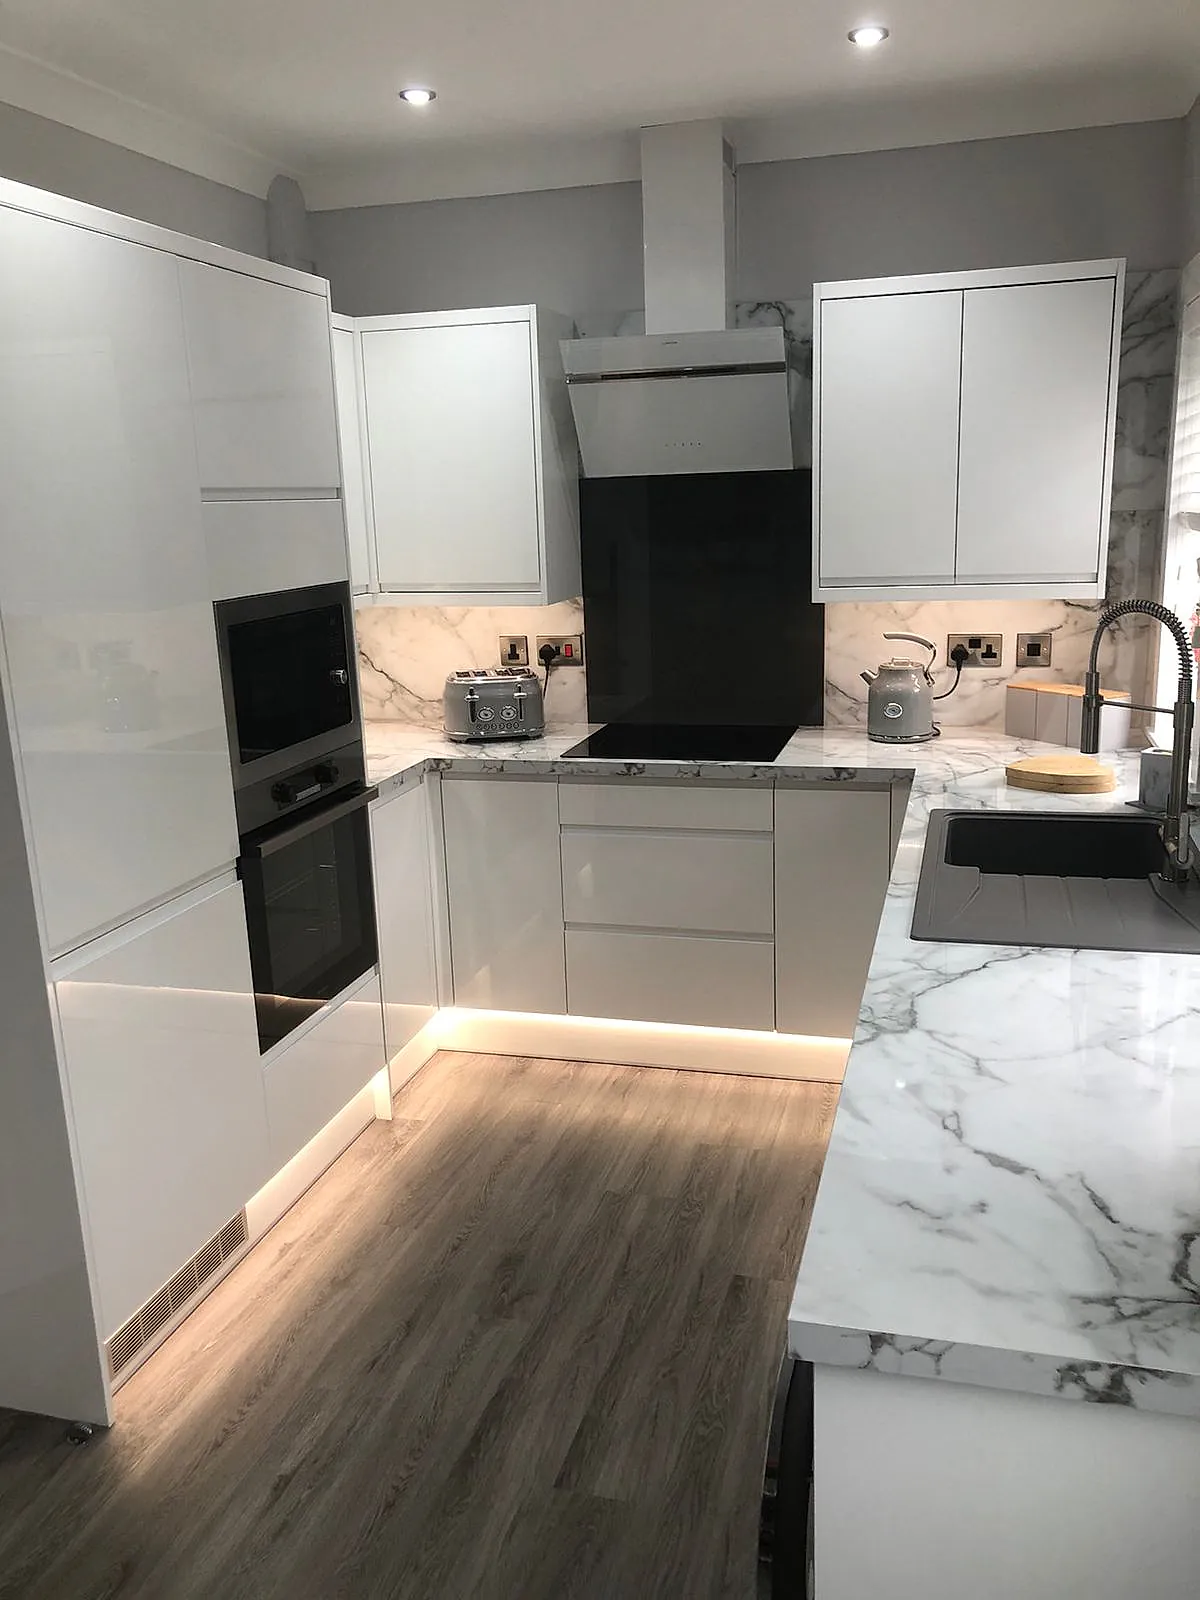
[1065, 774]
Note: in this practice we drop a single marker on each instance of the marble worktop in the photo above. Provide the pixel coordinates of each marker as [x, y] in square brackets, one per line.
[1011, 1195]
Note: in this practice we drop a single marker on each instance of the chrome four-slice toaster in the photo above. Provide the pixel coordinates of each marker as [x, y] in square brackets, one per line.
[495, 703]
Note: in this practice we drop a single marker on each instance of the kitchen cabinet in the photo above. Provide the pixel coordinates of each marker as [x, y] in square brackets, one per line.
[401, 844]
[309, 1079]
[347, 394]
[504, 889]
[260, 546]
[668, 899]
[166, 1090]
[833, 858]
[963, 433]
[262, 382]
[104, 590]
[471, 458]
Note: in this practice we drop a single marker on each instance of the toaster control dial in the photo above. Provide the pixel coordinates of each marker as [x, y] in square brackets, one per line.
[486, 714]
[508, 714]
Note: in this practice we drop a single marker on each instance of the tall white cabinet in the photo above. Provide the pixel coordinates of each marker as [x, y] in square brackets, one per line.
[470, 461]
[963, 430]
[104, 588]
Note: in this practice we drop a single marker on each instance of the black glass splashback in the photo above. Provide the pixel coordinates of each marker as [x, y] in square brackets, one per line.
[697, 603]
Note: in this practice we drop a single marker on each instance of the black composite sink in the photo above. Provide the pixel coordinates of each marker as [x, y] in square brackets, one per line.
[1050, 845]
[1055, 879]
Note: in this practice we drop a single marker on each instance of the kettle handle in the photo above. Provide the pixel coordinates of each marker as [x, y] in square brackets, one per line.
[916, 638]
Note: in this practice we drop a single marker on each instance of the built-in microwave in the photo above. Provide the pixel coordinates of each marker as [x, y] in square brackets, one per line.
[291, 699]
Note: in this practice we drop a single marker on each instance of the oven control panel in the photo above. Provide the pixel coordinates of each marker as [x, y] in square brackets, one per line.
[307, 785]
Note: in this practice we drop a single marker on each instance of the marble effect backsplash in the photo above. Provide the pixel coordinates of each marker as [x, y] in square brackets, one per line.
[407, 651]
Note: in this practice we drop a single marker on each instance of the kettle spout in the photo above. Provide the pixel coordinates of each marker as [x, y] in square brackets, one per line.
[868, 677]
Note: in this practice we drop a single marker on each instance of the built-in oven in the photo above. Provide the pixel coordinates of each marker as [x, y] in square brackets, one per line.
[310, 909]
[291, 699]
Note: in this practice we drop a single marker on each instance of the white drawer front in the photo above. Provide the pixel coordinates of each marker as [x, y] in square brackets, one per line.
[716, 883]
[650, 977]
[747, 807]
[323, 1071]
[258, 546]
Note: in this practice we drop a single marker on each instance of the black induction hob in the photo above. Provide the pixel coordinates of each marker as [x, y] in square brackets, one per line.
[676, 741]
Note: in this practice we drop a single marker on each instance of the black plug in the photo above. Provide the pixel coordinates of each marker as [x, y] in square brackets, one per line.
[960, 655]
[548, 655]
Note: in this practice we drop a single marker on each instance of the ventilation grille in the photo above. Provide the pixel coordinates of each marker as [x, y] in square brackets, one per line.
[146, 1324]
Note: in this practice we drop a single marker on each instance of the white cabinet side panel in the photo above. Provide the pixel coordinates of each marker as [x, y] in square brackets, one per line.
[49, 1342]
[558, 463]
[1035, 429]
[345, 377]
[400, 838]
[504, 887]
[166, 1088]
[450, 440]
[986, 1494]
[262, 382]
[107, 617]
[886, 438]
[832, 864]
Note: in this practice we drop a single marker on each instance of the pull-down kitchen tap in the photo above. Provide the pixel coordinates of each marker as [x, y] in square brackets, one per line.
[1176, 830]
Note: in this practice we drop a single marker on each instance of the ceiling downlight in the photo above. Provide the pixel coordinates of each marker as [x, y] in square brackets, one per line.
[868, 36]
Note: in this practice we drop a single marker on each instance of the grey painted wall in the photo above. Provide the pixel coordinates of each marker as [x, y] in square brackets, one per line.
[51, 156]
[995, 202]
[567, 249]
[1092, 192]
[1191, 204]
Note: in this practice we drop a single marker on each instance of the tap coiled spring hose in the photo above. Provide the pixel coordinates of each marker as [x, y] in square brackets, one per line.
[1147, 608]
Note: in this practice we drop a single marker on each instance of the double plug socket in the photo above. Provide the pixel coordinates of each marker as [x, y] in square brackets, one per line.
[987, 649]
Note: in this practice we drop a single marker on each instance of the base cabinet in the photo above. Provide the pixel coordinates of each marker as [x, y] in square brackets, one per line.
[992, 1494]
[166, 1090]
[505, 893]
[309, 1082]
[833, 859]
[707, 982]
[401, 844]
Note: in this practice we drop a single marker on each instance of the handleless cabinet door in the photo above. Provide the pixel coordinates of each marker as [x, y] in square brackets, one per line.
[450, 440]
[400, 839]
[107, 617]
[262, 382]
[353, 490]
[1036, 396]
[504, 885]
[886, 438]
[166, 1087]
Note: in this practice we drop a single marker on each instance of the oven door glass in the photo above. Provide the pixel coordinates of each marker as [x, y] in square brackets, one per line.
[310, 911]
[291, 678]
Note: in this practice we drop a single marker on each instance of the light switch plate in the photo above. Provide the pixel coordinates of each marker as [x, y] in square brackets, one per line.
[1034, 649]
[514, 649]
[983, 649]
[563, 642]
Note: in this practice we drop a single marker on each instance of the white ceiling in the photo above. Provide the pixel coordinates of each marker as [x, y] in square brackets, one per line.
[538, 93]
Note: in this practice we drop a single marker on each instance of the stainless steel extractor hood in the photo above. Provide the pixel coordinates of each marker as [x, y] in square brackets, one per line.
[692, 394]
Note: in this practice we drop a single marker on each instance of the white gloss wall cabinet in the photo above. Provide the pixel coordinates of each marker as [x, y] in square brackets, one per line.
[104, 589]
[833, 858]
[504, 889]
[166, 1087]
[348, 397]
[262, 382]
[963, 433]
[401, 843]
[471, 458]
[310, 1079]
[259, 546]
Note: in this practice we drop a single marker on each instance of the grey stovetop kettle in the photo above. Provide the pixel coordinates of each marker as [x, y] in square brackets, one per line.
[900, 704]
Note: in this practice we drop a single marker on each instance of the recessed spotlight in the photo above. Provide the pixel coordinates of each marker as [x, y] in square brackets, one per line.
[868, 36]
[418, 97]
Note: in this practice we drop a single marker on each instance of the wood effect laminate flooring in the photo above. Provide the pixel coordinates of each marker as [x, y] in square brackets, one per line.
[518, 1344]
